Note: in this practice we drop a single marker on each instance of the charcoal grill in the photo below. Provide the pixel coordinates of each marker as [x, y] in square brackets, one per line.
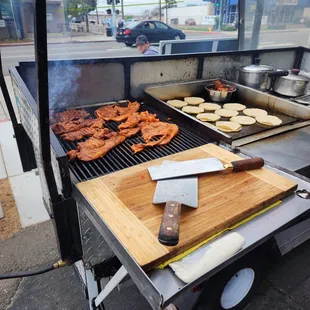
[121, 157]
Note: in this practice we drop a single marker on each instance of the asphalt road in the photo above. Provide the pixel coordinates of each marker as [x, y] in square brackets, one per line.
[12, 55]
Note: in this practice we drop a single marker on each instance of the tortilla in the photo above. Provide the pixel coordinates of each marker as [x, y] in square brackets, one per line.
[226, 113]
[228, 126]
[243, 120]
[254, 112]
[192, 110]
[207, 106]
[269, 120]
[234, 106]
[177, 103]
[208, 117]
[194, 100]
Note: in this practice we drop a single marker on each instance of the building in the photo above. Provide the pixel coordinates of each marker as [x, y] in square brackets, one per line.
[54, 15]
[198, 15]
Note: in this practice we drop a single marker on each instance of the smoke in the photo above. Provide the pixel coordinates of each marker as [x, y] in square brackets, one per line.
[64, 79]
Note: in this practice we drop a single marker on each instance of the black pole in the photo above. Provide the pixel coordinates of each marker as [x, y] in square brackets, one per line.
[257, 23]
[241, 24]
[42, 96]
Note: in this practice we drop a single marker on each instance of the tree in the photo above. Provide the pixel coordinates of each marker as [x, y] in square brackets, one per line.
[170, 4]
[80, 7]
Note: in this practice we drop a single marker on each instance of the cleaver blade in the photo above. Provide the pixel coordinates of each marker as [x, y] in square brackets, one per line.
[185, 168]
[183, 190]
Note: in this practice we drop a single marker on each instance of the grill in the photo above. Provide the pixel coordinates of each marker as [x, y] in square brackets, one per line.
[121, 157]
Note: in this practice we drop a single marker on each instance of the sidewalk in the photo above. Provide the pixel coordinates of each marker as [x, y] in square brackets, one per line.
[56, 38]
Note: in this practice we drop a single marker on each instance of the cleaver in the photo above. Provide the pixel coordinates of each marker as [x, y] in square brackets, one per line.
[199, 166]
[175, 193]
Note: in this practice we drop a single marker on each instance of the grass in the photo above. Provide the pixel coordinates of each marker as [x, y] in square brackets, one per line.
[195, 28]
[8, 41]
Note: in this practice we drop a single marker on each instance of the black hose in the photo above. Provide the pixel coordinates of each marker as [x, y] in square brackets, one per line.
[24, 274]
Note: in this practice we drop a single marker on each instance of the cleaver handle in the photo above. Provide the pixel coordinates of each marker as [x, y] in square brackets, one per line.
[170, 225]
[246, 164]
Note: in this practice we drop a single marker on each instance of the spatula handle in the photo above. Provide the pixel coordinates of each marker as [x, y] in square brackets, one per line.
[247, 164]
[170, 225]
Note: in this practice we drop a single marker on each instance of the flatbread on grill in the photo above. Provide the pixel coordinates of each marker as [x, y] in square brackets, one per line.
[234, 106]
[177, 103]
[226, 113]
[254, 112]
[243, 120]
[207, 106]
[194, 100]
[269, 120]
[228, 126]
[208, 117]
[192, 110]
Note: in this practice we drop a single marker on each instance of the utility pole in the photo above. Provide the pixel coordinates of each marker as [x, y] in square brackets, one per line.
[160, 10]
[113, 19]
[97, 14]
[220, 16]
[122, 8]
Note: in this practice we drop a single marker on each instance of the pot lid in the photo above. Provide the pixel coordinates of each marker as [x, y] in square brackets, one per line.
[257, 68]
[295, 76]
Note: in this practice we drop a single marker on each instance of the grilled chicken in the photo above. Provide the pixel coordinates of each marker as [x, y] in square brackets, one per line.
[95, 148]
[134, 119]
[70, 115]
[163, 132]
[69, 126]
[84, 132]
[129, 132]
[117, 113]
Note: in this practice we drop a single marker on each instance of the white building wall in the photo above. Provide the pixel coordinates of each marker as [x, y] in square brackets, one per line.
[198, 13]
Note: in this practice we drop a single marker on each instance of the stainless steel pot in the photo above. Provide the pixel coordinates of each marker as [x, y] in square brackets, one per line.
[293, 85]
[259, 76]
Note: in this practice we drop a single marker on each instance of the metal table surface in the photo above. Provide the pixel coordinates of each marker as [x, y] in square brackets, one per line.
[290, 150]
[160, 287]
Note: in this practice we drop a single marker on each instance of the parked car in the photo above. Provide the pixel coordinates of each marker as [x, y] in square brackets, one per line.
[190, 22]
[154, 30]
[76, 20]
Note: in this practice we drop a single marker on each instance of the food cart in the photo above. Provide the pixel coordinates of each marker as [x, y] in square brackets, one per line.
[103, 213]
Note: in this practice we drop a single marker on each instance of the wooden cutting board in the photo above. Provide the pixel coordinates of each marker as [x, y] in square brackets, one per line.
[124, 202]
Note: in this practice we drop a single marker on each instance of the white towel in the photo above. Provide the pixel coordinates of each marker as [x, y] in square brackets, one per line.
[200, 262]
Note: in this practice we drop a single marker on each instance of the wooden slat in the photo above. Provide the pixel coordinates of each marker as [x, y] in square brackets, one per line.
[124, 201]
[133, 235]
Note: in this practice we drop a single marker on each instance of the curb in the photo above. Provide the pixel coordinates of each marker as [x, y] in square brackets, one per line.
[32, 43]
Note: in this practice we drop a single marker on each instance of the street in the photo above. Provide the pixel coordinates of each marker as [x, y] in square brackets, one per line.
[12, 55]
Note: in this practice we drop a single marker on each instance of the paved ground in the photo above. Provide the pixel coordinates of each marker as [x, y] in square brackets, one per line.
[287, 285]
[11, 55]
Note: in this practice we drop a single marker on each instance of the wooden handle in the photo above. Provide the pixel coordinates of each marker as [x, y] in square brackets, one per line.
[247, 164]
[170, 224]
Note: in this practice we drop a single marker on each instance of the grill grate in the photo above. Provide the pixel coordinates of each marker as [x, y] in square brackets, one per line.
[121, 157]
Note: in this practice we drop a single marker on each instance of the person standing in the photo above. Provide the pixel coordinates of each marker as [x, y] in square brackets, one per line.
[144, 47]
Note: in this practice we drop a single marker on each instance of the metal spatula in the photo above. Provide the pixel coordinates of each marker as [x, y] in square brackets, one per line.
[175, 193]
[198, 166]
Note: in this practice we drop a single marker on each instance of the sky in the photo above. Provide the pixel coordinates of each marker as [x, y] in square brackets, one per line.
[141, 7]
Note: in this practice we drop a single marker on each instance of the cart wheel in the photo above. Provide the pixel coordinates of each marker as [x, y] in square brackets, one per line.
[234, 287]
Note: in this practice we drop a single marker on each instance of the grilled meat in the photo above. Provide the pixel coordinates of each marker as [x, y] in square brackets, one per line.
[95, 148]
[219, 86]
[117, 113]
[163, 132]
[129, 132]
[84, 132]
[69, 126]
[70, 115]
[134, 119]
